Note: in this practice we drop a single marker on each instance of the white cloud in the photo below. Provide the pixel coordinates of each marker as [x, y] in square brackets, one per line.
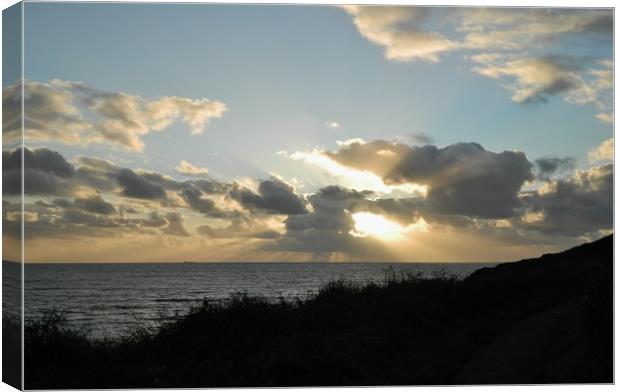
[603, 153]
[535, 79]
[605, 117]
[507, 44]
[359, 180]
[348, 142]
[195, 113]
[532, 79]
[77, 114]
[397, 30]
[514, 29]
[191, 170]
[332, 124]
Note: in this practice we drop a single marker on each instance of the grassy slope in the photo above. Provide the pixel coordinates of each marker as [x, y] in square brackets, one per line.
[406, 331]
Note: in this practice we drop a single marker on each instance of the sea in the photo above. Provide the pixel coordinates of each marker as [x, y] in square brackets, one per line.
[109, 300]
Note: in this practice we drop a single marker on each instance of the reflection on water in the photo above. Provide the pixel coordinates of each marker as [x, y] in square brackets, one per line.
[109, 298]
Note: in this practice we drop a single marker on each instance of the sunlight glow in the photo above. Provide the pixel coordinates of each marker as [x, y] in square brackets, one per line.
[375, 225]
[355, 179]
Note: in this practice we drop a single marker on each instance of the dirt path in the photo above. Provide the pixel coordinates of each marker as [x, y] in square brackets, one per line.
[518, 356]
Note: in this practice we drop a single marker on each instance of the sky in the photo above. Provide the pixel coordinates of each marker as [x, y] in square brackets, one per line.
[172, 132]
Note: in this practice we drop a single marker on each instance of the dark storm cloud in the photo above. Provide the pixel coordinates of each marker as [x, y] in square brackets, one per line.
[574, 206]
[138, 187]
[463, 178]
[547, 167]
[273, 197]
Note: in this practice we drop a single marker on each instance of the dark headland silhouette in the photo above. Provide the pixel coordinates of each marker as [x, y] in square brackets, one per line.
[543, 320]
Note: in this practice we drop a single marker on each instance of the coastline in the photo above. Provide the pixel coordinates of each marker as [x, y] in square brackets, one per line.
[407, 331]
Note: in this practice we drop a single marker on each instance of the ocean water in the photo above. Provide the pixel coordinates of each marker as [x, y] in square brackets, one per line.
[109, 299]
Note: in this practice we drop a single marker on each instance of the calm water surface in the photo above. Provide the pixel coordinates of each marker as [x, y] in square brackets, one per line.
[110, 298]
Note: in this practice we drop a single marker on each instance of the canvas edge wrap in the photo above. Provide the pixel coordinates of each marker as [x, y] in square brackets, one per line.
[12, 193]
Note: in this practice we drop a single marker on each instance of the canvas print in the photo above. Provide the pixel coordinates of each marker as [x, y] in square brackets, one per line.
[234, 195]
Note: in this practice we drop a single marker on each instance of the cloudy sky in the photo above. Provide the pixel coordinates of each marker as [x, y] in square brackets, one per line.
[309, 133]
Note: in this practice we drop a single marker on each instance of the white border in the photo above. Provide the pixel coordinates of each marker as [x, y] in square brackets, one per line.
[496, 3]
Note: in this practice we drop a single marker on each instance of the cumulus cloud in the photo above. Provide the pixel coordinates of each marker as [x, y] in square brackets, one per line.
[536, 79]
[61, 218]
[526, 50]
[92, 218]
[327, 228]
[49, 113]
[195, 198]
[196, 113]
[574, 206]
[39, 159]
[511, 29]
[547, 167]
[36, 182]
[212, 186]
[154, 219]
[462, 179]
[399, 31]
[352, 177]
[46, 172]
[240, 228]
[75, 113]
[603, 153]
[96, 205]
[188, 169]
[176, 225]
[139, 187]
[80, 217]
[75, 190]
[274, 196]
[469, 189]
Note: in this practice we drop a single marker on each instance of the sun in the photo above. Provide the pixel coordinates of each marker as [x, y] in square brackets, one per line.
[375, 225]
